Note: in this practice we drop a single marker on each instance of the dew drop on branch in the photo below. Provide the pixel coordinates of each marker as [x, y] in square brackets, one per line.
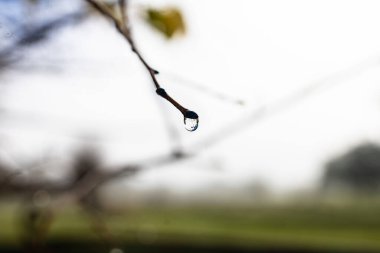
[191, 121]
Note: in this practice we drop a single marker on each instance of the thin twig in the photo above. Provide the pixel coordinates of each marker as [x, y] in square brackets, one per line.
[125, 30]
[285, 103]
[9, 55]
[203, 88]
[123, 10]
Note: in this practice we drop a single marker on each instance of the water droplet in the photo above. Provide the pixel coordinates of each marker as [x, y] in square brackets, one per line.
[191, 121]
[191, 124]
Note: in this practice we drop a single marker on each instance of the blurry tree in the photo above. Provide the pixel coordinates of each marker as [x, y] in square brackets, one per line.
[357, 170]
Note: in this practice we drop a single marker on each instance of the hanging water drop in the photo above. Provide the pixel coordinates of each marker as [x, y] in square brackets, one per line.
[191, 121]
[191, 124]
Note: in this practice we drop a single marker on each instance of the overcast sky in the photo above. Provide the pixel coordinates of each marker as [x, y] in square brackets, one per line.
[86, 83]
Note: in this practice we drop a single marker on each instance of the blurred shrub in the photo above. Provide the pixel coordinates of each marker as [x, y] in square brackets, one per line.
[357, 170]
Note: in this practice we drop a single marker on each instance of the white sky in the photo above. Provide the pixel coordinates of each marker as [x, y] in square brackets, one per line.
[258, 51]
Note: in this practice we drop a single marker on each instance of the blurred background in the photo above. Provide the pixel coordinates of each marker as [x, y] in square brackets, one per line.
[286, 157]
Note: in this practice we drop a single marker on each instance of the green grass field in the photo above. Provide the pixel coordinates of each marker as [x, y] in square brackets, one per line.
[297, 228]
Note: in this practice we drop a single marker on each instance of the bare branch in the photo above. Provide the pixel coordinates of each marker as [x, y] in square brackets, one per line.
[285, 103]
[126, 33]
[35, 35]
[203, 88]
[123, 10]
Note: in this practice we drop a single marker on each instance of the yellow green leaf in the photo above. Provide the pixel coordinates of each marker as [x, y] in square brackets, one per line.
[167, 21]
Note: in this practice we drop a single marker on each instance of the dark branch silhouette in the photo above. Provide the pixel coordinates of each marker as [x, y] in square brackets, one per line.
[123, 26]
[34, 35]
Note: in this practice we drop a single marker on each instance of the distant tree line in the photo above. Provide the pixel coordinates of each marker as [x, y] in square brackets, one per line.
[357, 170]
